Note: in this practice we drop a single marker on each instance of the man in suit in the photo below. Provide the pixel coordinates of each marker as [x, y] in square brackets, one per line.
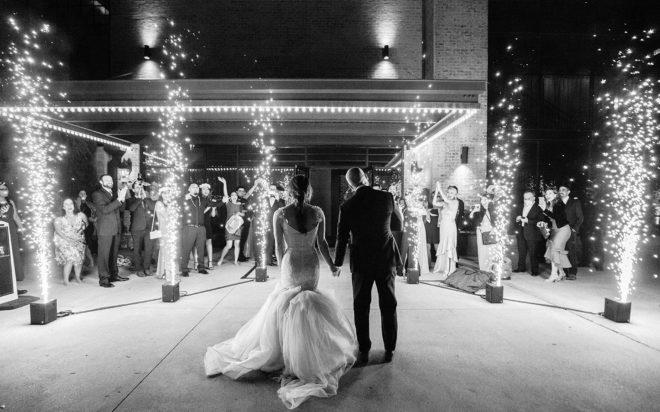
[135, 204]
[575, 218]
[108, 227]
[366, 218]
[274, 203]
[452, 193]
[528, 234]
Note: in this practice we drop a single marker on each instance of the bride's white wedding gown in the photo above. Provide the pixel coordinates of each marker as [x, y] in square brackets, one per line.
[298, 329]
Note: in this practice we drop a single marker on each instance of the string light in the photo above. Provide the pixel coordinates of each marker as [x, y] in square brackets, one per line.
[417, 110]
[505, 159]
[37, 154]
[632, 107]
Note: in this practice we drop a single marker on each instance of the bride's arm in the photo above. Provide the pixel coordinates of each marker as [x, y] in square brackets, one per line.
[279, 237]
[323, 244]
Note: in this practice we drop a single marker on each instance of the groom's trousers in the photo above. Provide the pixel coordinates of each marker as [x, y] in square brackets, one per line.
[362, 286]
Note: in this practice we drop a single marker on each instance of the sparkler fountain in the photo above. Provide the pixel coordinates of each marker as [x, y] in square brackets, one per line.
[628, 166]
[172, 171]
[263, 119]
[505, 158]
[27, 66]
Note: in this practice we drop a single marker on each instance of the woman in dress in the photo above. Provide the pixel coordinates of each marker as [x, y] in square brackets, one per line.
[69, 240]
[9, 215]
[560, 232]
[233, 237]
[446, 255]
[299, 330]
[90, 213]
[483, 218]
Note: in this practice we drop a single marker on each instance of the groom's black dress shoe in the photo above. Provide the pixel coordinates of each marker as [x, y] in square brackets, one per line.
[118, 279]
[388, 356]
[106, 285]
[363, 357]
[518, 270]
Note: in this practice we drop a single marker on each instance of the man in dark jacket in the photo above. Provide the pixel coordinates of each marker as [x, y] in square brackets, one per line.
[108, 228]
[575, 218]
[365, 218]
[528, 234]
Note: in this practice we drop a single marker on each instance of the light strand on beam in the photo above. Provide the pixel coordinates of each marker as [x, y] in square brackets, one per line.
[262, 108]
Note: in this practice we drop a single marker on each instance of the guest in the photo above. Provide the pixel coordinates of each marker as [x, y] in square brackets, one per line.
[235, 213]
[151, 246]
[193, 233]
[244, 198]
[161, 216]
[9, 215]
[108, 226]
[446, 256]
[274, 204]
[87, 208]
[528, 234]
[555, 252]
[140, 228]
[431, 227]
[483, 218]
[69, 240]
[283, 195]
[208, 217]
[575, 217]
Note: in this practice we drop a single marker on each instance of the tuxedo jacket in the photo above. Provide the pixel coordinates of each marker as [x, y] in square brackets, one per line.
[108, 208]
[574, 214]
[366, 219]
[530, 231]
[278, 204]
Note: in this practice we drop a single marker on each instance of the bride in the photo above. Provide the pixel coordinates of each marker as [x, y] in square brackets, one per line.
[298, 330]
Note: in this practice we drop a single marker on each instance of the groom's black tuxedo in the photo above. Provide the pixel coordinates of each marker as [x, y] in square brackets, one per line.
[366, 218]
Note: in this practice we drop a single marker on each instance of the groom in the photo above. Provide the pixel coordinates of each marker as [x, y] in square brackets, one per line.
[366, 217]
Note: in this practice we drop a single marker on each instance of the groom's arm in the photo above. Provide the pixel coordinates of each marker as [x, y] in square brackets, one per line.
[343, 233]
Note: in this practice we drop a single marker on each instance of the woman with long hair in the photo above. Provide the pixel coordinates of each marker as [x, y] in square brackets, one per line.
[299, 330]
[560, 232]
[446, 256]
[232, 230]
[69, 240]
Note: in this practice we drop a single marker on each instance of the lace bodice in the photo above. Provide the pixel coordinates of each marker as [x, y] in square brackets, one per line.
[300, 263]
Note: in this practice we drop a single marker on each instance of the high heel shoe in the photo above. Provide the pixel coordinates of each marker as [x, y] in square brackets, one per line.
[553, 278]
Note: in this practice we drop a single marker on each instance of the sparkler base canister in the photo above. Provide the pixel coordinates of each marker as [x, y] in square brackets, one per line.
[494, 294]
[261, 274]
[170, 292]
[43, 312]
[617, 311]
[412, 275]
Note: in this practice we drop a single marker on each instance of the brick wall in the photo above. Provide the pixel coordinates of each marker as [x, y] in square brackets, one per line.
[460, 52]
[275, 38]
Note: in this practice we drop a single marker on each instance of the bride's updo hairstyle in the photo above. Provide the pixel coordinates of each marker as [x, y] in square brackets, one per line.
[301, 191]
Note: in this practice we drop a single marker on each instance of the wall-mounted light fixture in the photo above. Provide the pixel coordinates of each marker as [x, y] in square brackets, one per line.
[147, 52]
[464, 155]
[386, 52]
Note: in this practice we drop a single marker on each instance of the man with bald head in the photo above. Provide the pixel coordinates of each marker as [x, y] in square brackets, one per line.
[193, 232]
[365, 218]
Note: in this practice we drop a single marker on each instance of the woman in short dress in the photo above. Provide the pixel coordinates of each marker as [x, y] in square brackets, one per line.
[69, 240]
[233, 237]
[560, 232]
